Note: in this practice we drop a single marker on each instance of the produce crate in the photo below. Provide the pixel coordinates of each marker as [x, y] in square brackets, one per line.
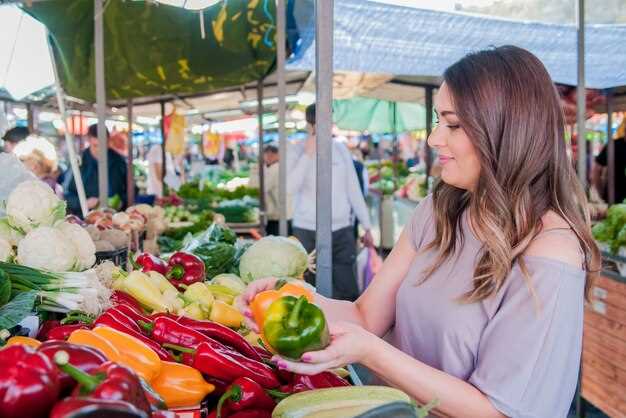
[604, 344]
[118, 257]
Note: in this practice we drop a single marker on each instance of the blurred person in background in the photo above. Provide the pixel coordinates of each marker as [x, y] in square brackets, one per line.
[599, 172]
[12, 137]
[89, 174]
[271, 158]
[40, 157]
[155, 171]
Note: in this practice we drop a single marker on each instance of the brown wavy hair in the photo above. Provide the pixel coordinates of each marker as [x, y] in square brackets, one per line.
[510, 109]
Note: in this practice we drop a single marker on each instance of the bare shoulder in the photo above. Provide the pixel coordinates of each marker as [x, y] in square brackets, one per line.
[556, 241]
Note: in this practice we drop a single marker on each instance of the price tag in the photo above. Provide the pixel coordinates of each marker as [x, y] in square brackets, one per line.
[599, 293]
[599, 307]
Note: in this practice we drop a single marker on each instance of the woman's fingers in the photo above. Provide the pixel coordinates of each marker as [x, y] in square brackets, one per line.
[321, 356]
[303, 368]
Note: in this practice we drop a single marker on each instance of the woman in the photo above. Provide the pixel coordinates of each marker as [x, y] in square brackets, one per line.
[483, 293]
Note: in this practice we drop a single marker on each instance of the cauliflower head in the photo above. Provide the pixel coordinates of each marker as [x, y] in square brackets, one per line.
[32, 204]
[85, 247]
[9, 234]
[47, 248]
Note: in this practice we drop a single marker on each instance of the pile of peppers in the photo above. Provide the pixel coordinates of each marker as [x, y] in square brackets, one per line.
[127, 360]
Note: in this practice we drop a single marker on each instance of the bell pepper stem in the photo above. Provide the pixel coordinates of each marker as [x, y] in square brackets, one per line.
[176, 272]
[87, 382]
[294, 317]
[146, 326]
[277, 393]
[233, 393]
[179, 348]
[77, 316]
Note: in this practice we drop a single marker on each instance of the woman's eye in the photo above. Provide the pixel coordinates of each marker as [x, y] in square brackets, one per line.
[453, 127]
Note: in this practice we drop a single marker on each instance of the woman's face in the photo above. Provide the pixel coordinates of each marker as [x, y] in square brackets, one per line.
[460, 166]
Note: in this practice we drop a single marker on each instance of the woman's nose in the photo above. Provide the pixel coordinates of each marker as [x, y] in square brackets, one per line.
[436, 138]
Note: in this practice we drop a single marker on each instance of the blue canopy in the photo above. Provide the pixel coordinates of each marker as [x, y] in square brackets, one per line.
[381, 38]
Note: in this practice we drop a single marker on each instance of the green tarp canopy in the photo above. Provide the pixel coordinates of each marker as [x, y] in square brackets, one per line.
[378, 116]
[155, 50]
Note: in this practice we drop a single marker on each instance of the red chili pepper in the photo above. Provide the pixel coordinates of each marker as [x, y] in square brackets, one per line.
[112, 321]
[216, 331]
[166, 330]
[220, 385]
[63, 332]
[302, 383]
[46, 327]
[132, 313]
[119, 316]
[110, 381]
[218, 361]
[122, 298]
[85, 358]
[149, 262]
[29, 382]
[245, 393]
[74, 406]
[248, 413]
[185, 269]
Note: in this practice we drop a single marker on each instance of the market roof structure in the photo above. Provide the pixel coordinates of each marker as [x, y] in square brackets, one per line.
[425, 42]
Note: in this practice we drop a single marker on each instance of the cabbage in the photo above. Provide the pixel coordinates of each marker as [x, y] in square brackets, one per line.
[32, 204]
[274, 256]
[85, 247]
[47, 248]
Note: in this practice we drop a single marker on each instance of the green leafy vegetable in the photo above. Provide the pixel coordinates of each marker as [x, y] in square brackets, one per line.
[5, 288]
[20, 307]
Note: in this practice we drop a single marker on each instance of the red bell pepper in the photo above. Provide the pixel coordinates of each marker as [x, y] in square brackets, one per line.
[216, 360]
[185, 269]
[85, 358]
[217, 332]
[110, 381]
[29, 382]
[149, 262]
[245, 393]
[112, 321]
[45, 328]
[74, 406]
[122, 298]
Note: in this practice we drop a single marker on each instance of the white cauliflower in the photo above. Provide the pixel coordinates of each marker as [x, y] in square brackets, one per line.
[9, 234]
[6, 250]
[85, 247]
[47, 248]
[32, 204]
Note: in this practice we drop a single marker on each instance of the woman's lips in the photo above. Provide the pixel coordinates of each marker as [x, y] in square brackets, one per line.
[444, 159]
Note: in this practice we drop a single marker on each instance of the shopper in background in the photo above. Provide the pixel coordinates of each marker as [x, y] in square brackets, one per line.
[347, 198]
[271, 158]
[480, 305]
[599, 172]
[155, 171]
[40, 156]
[89, 173]
[12, 137]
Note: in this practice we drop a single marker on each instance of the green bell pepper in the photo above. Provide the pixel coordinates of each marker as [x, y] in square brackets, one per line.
[293, 326]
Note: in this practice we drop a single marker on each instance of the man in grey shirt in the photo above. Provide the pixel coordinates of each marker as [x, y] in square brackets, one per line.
[347, 199]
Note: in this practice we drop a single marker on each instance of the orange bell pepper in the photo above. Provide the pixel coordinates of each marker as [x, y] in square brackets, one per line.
[31, 342]
[263, 300]
[133, 353]
[180, 385]
[225, 314]
[91, 339]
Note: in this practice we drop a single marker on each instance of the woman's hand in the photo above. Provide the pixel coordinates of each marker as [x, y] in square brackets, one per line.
[243, 301]
[350, 343]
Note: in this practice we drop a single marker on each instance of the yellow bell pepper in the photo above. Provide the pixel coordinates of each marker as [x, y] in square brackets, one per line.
[180, 385]
[200, 293]
[31, 342]
[133, 353]
[93, 340]
[161, 282]
[226, 314]
[141, 287]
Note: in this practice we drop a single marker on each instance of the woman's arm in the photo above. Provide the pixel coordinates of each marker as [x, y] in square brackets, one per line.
[375, 310]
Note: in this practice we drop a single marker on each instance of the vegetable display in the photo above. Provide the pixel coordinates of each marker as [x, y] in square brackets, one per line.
[612, 230]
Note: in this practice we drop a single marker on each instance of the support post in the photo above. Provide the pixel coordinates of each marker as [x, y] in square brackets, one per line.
[610, 147]
[281, 28]
[580, 96]
[324, 90]
[130, 175]
[163, 139]
[103, 141]
[429, 128]
[262, 208]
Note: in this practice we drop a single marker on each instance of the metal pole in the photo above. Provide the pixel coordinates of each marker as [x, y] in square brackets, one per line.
[103, 164]
[130, 175]
[580, 96]
[259, 97]
[281, 28]
[610, 146]
[69, 142]
[323, 133]
[429, 129]
[163, 159]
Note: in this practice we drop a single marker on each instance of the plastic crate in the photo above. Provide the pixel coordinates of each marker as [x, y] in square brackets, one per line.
[118, 257]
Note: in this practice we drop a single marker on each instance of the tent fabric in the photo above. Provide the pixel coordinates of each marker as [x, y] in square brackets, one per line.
[153, 50]
[383, 38]
[378, 116]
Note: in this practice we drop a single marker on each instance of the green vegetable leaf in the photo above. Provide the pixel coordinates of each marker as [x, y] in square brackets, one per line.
[5, 288]
[20, 307]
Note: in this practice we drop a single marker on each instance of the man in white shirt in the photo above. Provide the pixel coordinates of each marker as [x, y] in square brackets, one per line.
[272, 193]
[347, 199]
[155, 171]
